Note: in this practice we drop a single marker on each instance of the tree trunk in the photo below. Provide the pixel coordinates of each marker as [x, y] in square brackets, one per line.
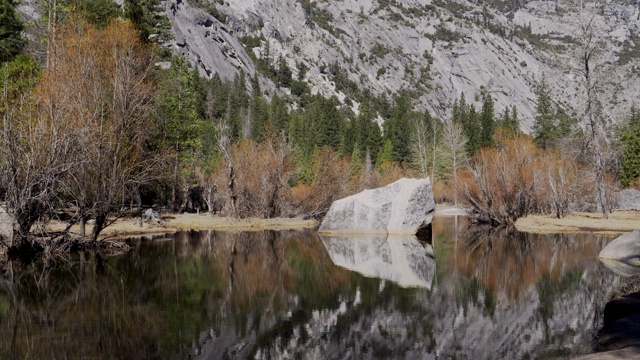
[83, 225]
[101, 219]
[174, 192]
[595, 144]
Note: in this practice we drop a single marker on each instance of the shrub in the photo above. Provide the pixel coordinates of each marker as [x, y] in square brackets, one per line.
[516, 179]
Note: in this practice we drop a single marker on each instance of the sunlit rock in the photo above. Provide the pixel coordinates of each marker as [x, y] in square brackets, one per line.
[401, 259]
[625, 249]
[402, 207]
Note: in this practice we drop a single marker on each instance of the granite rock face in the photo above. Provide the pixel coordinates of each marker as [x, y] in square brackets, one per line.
[402, 207]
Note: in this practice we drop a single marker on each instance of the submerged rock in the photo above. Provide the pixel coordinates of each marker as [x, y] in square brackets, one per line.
[402, 207]
[625, 248]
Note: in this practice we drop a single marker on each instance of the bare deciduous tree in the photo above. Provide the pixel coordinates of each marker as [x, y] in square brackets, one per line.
[112, 85]
[592, 68]
[452, 150]
[425, 143]
[223, 140]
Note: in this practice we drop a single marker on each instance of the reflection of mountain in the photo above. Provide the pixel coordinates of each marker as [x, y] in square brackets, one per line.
[401, 259]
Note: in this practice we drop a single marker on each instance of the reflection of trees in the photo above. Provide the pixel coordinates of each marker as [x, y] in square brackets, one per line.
[71, 310]
[153, 301]
[505, 260]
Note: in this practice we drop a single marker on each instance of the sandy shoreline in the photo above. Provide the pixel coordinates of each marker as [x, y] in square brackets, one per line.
[581, 222]
[126, 227]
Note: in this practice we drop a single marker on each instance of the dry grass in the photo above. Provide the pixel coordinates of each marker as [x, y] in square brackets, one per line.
[581, 222]
[183, 222]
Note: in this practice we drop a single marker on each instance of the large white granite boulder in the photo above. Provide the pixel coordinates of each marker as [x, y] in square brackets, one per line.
[402, 207]
[625, 248]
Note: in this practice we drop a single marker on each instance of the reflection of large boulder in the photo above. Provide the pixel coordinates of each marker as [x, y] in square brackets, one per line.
[401, 259]
[402, 207]
[625, 248]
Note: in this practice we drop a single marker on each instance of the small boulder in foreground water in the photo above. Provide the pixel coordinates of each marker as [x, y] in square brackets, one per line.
[403, 207]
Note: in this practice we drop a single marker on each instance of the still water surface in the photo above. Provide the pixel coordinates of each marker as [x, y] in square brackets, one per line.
[470, 293]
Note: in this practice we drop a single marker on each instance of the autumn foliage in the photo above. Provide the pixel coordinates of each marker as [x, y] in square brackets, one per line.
[517, 178]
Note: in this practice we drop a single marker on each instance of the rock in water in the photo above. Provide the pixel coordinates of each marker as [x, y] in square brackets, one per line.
[402, 207]
[625, 248]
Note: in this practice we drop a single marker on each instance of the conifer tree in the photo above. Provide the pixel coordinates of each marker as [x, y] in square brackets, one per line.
[630, 159]
[149, 18]
[279, 116]
[472, 130]
[10, 31]
[544, 126]
[386, 153]
[488, 122]
[514, 122]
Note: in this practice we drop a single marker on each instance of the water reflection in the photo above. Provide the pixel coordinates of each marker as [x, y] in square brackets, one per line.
[475, 294]
[401, 259]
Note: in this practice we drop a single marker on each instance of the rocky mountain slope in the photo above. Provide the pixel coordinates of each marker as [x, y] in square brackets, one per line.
[431, 49]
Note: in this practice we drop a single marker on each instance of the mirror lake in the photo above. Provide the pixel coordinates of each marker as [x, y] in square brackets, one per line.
[467, 293]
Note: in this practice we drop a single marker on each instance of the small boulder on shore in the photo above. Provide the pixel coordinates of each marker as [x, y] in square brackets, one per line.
[151, 216]
[403, 207]
[629, 199]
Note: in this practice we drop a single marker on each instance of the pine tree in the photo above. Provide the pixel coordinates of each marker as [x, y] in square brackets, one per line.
[514, 122]
[284, 74]
[10, 31]
[488, 122]
[505, 119]
[385, 154]
[279, 115]
[397, 130]
[472, 130]
[630, 159]
[149, 16]
[544, 127]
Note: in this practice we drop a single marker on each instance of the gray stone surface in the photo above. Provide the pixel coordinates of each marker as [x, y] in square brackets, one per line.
[402, 207]
[629, 199]
[151, 215]
[6, 225]
[625, 248]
